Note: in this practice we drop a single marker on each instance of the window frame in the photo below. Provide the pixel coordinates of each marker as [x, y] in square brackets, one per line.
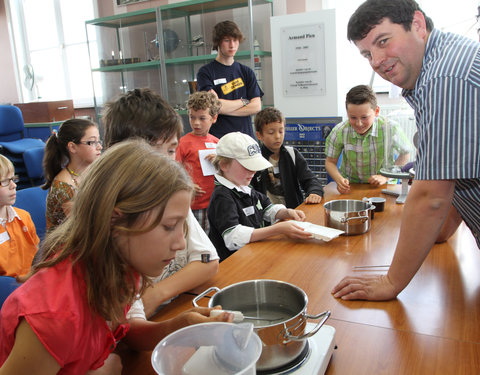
[21, 52]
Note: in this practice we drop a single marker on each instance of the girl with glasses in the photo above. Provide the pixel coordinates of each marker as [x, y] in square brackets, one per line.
[68, 153]
[126, 225]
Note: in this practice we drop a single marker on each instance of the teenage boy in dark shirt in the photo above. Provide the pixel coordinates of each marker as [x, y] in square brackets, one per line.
[234, 84]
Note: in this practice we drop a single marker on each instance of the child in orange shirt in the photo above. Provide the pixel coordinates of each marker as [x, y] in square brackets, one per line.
[18, 238]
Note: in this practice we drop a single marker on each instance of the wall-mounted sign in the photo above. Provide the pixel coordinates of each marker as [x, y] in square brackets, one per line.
[303, 57]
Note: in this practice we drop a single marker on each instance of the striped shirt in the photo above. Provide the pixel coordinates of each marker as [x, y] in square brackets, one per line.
[364, 155]
[446, 100]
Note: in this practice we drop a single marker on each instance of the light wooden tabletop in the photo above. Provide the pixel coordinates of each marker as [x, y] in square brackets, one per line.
[431, 328]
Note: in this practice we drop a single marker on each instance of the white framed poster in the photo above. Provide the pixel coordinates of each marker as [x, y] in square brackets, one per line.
[303, 58]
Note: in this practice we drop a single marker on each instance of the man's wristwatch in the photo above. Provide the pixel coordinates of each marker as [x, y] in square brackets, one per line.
[245, 101]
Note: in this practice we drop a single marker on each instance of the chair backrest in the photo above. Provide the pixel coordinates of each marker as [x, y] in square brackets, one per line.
[7, 286]
[11, 123]
[34, 200]
[33, 159]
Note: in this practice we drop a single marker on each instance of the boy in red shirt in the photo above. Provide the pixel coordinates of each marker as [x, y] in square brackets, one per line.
[203, 108]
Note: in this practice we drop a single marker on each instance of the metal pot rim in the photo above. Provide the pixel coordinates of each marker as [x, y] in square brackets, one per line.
[254, 281]
[368, 204]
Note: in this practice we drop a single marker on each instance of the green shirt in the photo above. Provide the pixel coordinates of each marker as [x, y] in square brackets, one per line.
[364, 155]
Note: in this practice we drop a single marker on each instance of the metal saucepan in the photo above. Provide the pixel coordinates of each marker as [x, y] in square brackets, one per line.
[281, 309]
[351, 216]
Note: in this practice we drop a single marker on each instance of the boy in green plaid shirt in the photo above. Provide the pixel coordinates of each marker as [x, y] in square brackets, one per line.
[362, 140]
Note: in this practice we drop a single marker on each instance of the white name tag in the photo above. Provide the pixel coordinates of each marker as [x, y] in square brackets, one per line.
[4, 237]
[249, 210]
[210, 145]
[276, 170]
[219, 81]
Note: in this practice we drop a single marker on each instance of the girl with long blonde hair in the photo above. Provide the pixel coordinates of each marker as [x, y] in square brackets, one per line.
[126, 224]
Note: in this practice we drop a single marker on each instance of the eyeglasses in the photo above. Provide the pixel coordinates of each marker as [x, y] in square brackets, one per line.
[91, 143]
[6, 182]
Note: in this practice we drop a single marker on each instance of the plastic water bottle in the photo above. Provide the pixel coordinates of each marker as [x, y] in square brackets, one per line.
[257, 64]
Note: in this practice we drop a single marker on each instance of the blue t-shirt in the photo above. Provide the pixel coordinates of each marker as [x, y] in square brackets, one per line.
[230, 82]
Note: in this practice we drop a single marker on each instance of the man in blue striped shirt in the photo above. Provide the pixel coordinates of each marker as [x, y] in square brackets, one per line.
[440, 76]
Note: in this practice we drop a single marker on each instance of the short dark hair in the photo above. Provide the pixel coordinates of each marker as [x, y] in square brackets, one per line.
[361, 94]
[223, 29]
[372, 12]
[140, 113]
[267, 116]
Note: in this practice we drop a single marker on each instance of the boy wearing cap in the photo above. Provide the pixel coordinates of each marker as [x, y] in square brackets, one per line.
[238, 214]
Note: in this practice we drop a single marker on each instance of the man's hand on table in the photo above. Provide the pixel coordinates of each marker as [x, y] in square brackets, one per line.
[373, 288]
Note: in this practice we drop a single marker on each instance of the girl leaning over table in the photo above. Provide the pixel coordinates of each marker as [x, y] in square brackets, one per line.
[125, 226]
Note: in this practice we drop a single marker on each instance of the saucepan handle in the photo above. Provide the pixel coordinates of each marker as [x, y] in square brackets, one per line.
[347, 219]
[203, 294]
[323, 316]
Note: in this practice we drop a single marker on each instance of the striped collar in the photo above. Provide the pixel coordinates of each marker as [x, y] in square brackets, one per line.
[431, 42]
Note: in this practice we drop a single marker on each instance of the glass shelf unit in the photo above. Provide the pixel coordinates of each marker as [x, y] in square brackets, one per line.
[163, 48]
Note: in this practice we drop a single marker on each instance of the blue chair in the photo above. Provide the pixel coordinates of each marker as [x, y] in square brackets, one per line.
[33, 159]
[7, 286]
[12, 141]
[33, 200]
[11, 131]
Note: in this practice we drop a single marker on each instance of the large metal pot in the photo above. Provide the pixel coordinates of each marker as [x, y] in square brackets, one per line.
[351, 216]
[281, 309]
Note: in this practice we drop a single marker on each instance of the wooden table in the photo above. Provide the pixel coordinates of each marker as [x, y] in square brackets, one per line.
[433, 327]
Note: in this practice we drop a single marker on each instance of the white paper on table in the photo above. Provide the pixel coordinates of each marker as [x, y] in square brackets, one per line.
[319, 231]
[207, 168]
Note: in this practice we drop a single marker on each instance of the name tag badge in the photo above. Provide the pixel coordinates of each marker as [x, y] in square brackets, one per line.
[210, 145]
[219, 81]
[249, 211]
[4, 237]
[276, 170]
